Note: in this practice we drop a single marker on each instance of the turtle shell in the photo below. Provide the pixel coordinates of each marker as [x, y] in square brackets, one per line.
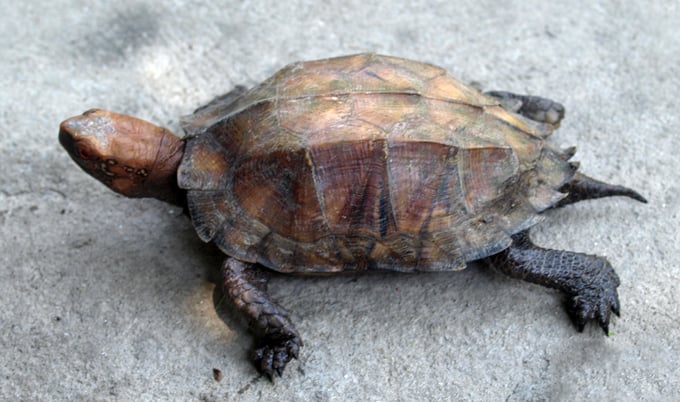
[365, 162]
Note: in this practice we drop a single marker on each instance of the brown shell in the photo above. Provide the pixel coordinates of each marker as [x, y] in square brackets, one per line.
[364, 162]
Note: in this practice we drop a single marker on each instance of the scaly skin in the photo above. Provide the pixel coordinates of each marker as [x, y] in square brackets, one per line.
[278, 340]
[588, 280]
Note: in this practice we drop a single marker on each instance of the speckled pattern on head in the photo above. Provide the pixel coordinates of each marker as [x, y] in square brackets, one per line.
[366, 162]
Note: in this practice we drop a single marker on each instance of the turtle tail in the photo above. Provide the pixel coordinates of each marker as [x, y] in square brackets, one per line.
[561, 184]
[582, 187]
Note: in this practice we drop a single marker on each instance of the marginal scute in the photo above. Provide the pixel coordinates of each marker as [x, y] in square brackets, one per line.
[366, 162]
[543, 197]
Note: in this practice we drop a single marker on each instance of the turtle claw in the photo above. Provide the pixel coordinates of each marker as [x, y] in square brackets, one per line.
[596, 302]
[273, 356]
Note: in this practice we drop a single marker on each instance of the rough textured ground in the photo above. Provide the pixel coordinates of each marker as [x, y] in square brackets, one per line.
[105, 298]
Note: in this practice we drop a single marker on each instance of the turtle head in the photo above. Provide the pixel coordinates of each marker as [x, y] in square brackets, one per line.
[131, 156]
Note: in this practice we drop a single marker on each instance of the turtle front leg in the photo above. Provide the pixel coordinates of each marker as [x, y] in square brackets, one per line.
[277, 339]
[535, 108]
[588, 280]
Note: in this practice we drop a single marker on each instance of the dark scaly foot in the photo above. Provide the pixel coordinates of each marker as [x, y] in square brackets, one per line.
[582, 187]
[278, 340]
[588, 280]
[532, 107]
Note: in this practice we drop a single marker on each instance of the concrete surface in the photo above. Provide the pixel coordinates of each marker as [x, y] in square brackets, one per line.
[105, 298]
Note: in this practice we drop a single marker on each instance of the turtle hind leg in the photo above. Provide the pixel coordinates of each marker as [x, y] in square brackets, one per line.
[589, 281]
[582, 187]
[278, 340]
[536, 108]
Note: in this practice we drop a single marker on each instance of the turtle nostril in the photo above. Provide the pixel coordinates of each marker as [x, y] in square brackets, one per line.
[84, 154]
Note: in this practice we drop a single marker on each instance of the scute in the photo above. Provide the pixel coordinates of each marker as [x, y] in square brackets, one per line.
[365, 162]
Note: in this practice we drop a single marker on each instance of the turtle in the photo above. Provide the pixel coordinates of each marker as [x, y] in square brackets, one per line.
[354, 164]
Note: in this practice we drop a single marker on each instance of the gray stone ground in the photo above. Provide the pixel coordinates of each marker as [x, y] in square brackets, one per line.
[104, 298]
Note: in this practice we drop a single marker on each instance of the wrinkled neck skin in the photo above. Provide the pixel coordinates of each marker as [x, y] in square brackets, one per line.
[131, 156]
[162, 180]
